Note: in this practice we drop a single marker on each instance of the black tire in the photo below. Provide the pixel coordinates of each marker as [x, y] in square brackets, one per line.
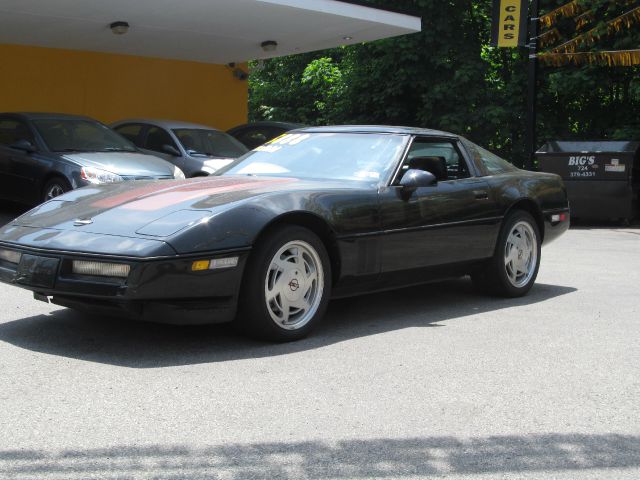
[55, 187]
[497, 277]
[264, 319]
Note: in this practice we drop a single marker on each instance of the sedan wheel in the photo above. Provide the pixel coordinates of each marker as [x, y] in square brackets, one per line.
[286, 285]
[514, 267]
[54, 188]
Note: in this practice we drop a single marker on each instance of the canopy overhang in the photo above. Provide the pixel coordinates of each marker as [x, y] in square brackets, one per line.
[210, 31]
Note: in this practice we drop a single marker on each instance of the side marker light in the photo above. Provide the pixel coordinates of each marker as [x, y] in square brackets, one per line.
[214, 264]
[228, 262]
[561, 217]
[200, 265]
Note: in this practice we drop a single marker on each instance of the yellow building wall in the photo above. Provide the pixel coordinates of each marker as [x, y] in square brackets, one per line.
[112, 87]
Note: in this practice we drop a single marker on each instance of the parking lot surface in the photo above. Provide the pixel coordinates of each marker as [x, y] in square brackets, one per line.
[434, 381]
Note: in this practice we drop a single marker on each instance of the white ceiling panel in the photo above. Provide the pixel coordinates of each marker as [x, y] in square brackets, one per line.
[211, 31]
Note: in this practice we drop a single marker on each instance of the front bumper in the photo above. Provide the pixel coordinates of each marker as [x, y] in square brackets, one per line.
[163, 290]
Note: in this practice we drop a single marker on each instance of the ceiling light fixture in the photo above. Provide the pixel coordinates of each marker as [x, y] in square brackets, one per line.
[347, 38]
[119, 28]
[269, 45]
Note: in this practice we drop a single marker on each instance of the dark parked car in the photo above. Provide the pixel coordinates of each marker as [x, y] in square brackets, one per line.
[198, 150]
[318, 213]
[254, 134]
[43, 155]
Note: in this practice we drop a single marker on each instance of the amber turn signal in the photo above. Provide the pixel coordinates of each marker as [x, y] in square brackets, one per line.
[199, 265]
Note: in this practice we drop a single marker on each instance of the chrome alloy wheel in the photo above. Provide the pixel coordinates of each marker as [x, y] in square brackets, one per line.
[294, 285]
[521, 254]
[53, 191]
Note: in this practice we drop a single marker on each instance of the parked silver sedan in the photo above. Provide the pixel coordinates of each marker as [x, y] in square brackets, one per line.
[197, 150]
[43, 155]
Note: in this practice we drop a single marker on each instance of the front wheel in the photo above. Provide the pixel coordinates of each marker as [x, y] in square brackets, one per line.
[54, 188]
[514, 267]
[286, 285]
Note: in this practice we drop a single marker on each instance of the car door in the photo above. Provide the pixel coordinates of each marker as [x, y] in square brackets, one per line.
[450, 222]
[19, 170]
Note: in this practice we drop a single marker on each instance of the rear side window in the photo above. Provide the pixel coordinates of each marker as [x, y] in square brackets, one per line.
[157, 138]
[492, 163]
[12, 131]
[131, 132]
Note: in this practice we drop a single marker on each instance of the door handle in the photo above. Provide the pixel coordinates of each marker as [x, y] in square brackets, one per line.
[481, 194]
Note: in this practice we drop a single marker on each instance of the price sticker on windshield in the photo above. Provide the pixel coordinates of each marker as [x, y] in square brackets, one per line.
[281, 141]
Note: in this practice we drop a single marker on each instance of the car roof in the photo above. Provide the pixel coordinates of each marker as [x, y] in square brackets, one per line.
[168, 124]
[268, 123]
[47, 115]
[378, 129]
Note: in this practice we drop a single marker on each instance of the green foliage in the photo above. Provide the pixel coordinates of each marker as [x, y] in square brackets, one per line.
[593, 102]
[447, 77]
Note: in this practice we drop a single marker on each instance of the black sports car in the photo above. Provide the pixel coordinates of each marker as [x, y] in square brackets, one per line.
[317, 213]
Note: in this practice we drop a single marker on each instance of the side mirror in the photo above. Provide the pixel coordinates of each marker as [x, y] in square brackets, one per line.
[171, 150]
[414, 179]
[24, 145]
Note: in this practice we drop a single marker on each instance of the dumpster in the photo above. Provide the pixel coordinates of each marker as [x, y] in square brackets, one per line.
[602, 178]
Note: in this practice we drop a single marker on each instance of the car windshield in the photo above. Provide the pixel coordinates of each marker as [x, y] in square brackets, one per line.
[210, 143]
[80, 135]
[365, 157]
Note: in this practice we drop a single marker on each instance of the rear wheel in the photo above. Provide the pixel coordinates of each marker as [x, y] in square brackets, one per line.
[54, 188]
[286, 285]
[514, 267]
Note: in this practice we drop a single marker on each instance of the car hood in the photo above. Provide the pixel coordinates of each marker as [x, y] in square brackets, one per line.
[211, 164]
[127, 164]
[194, 215]
[154, 209]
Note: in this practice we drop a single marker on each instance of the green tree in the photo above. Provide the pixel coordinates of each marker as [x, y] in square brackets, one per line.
[592, 101]
[448, 77]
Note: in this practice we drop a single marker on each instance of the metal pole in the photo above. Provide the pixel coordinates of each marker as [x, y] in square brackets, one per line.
[531, 137]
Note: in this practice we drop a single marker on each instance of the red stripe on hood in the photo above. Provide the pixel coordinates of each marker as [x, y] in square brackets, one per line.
[157, 195]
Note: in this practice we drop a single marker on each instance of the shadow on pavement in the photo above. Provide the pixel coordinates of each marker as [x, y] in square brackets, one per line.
[145, 345]
[580, 224]
[377, 458]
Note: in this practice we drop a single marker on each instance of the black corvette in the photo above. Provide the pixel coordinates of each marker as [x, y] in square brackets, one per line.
[317, 213]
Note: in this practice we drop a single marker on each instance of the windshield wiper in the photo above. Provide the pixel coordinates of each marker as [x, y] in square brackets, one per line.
[115, 149]
[195, 152]
[222, 155]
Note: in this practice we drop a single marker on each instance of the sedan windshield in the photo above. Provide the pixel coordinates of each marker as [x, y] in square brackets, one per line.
[210, 143]
[79, 135]
[365, 157]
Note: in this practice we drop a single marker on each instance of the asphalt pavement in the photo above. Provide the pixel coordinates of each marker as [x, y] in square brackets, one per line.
[434, 381]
